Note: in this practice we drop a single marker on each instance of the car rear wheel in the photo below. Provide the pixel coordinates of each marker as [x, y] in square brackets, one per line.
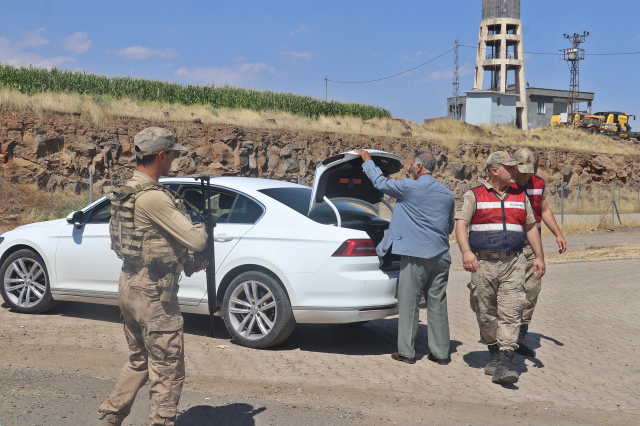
[257, 311]
[25, 283]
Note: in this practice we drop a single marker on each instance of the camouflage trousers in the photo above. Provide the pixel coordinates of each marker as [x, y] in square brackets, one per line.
[497, 297]
[532, 285]
[153, 330]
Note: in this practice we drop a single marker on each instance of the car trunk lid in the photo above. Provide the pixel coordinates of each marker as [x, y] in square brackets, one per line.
[341, 178]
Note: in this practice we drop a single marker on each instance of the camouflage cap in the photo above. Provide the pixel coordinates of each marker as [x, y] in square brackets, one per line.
[525, 159]
[152, 140]
[501, 157]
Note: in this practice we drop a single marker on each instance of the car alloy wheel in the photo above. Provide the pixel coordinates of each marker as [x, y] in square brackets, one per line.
[252, 310]
[257, 311]
[24, 282]
[25, 285]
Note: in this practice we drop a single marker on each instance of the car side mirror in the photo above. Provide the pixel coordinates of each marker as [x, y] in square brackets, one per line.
[75, 218]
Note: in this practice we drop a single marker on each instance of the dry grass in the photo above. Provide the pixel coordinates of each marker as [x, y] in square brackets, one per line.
[441, 131]
[590, 254]
[589, 223]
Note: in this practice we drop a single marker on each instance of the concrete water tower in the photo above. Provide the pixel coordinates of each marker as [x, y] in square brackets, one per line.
[500, 53]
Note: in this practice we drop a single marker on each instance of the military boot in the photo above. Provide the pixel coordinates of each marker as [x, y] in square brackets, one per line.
[504, 371]
[523, 346]
[110, 419]
[490, 368]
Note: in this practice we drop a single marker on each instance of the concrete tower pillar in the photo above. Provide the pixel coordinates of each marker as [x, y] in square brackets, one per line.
[500, 50]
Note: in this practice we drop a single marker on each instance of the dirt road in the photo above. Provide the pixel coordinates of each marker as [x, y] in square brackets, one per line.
[57, 368]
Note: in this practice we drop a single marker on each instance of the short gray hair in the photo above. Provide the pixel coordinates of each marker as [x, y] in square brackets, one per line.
[427, 160]
[493, 166]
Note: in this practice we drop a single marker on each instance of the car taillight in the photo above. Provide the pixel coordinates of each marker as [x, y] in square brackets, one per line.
[356, 248]
[346, 180]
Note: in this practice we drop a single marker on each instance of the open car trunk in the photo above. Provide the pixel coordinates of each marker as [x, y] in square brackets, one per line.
[339, 181]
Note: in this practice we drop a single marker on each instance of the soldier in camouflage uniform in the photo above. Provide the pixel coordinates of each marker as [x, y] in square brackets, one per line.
[151, 233]
[493, 221]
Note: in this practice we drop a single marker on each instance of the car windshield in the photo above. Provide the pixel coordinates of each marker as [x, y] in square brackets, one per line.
[299, 199]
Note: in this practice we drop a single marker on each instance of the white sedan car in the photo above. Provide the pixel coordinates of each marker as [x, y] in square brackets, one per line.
[284, 254]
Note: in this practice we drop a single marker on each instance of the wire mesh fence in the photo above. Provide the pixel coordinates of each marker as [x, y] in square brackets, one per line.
[49, 197]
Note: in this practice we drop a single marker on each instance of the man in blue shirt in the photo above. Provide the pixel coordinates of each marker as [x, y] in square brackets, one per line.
[419, 231]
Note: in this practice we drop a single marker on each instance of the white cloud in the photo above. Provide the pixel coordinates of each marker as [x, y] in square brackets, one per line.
[377, 54]
[32, 39]
[301, 29]
[11, 52]
[224, 75]
[139, 52]
[415, 57]
[446, 74]
[295, 55]
[77, 43]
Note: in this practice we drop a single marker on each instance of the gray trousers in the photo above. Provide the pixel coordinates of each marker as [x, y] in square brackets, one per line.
[428, 276]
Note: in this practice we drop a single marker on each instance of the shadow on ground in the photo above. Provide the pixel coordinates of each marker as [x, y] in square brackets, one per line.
[227, 415]
[377, 337]
[478, 359]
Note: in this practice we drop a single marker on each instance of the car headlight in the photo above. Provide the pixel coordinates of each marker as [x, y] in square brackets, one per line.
[1, 240]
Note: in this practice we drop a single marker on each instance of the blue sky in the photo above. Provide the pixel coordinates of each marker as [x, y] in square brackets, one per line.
[292, 45]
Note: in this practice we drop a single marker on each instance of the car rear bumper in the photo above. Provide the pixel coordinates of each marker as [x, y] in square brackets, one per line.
[344, 290]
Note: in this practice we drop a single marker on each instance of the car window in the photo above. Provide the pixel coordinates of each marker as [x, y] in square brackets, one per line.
[221, 203]
[299, 199]
[101, 213]
[245, 210]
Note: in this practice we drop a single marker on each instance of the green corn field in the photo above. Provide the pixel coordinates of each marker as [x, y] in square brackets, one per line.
[36, 80]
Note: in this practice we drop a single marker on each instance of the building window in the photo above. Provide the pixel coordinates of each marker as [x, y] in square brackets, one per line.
[498, 101]
[541, 108]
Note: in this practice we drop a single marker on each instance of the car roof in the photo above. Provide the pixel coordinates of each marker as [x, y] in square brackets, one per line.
[238, 183]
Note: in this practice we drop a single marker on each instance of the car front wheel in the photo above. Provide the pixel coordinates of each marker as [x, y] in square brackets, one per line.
[25, 283]
[257, 311]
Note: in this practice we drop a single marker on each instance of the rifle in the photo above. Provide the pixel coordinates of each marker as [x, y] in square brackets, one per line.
[209, 224]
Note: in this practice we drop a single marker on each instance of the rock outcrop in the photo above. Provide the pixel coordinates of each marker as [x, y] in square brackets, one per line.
[62, 150]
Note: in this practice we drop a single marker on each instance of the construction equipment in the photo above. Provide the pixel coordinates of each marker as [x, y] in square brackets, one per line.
[615, 123]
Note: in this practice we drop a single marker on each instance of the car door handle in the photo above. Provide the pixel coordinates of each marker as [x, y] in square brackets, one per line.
[222, 238]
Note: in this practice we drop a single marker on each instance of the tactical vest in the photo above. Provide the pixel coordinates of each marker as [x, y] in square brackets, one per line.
[535, 189]
[498, 225]
[140, 247]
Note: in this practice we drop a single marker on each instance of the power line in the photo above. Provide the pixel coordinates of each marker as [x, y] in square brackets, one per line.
[391, 76]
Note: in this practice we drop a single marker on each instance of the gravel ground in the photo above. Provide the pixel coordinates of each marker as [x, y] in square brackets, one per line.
[57, 368]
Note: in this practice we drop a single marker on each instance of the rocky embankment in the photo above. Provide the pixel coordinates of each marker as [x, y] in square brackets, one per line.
[65, 147]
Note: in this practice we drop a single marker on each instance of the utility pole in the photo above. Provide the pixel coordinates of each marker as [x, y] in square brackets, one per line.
[573, 56]
[326, 88]
[456, 83]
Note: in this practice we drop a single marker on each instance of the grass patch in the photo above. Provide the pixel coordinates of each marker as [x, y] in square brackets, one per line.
[443, 132]
[38, 80]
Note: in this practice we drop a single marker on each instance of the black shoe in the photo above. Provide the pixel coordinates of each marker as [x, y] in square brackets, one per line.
[490, 368]
[440, 361]
[504, 372]
[399, 357]
[523, 346]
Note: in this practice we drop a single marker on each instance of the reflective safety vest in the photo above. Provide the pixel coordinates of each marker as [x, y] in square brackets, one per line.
[535, 189]
[131, 244]
[498, 225]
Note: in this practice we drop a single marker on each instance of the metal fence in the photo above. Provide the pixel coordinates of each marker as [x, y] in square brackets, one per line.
[49, 197]
[607, 204]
